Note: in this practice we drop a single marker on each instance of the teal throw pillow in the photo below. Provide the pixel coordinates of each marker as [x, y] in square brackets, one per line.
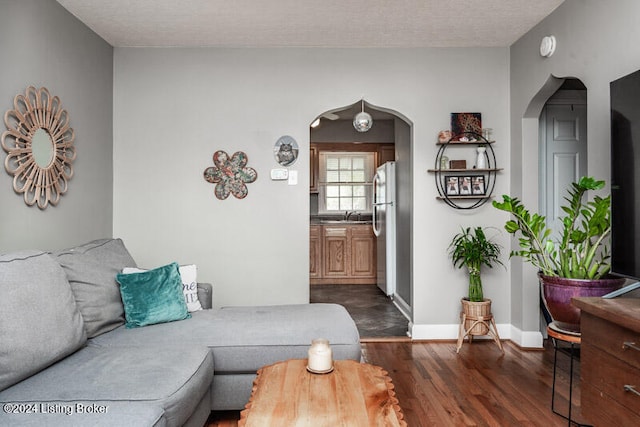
[153, 296]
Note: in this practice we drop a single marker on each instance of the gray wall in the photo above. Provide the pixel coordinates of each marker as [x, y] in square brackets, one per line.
[173, 108]
[41, 44]
[597, 42]
[404, 210]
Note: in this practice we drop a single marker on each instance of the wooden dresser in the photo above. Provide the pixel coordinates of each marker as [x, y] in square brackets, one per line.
[610, 360]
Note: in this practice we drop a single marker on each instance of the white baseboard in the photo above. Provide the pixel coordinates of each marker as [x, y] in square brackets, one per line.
[402, 306]
[525, 339]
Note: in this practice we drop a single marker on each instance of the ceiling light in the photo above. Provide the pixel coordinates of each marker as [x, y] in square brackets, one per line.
[362, 121]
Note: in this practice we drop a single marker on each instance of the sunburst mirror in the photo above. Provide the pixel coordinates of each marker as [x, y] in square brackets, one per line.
[39, 146]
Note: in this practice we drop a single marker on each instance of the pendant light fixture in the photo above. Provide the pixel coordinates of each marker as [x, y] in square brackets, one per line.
[362, 121]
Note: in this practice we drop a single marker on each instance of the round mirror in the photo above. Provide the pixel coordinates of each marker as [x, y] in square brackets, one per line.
[40, 161]
[42, 148]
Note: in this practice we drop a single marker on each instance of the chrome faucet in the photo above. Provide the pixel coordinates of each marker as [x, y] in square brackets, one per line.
[348, 214]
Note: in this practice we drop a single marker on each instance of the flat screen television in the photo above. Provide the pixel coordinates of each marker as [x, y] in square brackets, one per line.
[625, 176]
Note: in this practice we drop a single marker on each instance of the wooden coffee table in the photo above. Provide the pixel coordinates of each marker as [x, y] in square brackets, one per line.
[354, 394]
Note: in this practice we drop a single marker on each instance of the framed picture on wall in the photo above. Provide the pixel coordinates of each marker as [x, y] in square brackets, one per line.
[452, 185]
[465, 185]
[477, 185]
[462, 123]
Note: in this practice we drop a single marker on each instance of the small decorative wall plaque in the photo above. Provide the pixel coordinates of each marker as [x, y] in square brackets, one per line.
[230, 174]
[462, 123]
[286, 150]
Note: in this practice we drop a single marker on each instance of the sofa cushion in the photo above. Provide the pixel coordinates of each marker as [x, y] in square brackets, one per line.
[243, 339]
[172, 379]
[152, 296]
[91, 269]
[40, 321]
[189, 277]
[81, 414]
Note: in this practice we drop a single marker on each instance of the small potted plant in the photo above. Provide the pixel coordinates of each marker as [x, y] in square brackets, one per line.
[471, 249]
[578, 263]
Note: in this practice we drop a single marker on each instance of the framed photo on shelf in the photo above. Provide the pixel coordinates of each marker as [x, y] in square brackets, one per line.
[465, 185]
[478, 186]
[452, 185]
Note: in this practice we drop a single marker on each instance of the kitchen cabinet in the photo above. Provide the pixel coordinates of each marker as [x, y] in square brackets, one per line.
[313, 168]
[336, 253]
[386, 153]
[610, 360]
[363, 252]
[315, 251]
[342, 254]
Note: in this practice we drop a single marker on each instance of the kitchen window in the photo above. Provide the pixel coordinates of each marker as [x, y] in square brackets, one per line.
[345, 181]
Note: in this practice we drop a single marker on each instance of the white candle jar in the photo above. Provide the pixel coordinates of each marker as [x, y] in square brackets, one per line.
[320, 356]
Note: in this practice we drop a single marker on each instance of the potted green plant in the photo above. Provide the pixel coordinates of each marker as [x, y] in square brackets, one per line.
[578, 263]
[471, 249]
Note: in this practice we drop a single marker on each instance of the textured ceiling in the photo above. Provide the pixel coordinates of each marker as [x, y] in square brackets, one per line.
[311, 23]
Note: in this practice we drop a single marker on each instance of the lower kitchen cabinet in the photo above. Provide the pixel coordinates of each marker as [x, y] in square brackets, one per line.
[342, 254]
[315, 252]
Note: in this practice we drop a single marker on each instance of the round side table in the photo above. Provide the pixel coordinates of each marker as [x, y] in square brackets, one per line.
[573, 339]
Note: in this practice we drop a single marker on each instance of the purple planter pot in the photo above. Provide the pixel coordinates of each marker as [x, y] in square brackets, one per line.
[558, 291]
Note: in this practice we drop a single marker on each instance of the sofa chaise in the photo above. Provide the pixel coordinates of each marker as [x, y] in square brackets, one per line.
[69, 356]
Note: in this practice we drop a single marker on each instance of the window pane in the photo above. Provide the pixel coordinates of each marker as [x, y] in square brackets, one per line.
[359, 203]
[346, 176]
[333, 176]
[346, 204]
[333, 204]
[359, 190]
[332, 163]
[358, 176]
[346, 181]
[333, 191]
[358, 163]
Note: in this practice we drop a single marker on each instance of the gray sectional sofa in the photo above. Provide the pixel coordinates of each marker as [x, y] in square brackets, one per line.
[66, 357]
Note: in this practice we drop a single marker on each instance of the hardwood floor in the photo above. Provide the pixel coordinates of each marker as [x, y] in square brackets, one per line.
[480, 386]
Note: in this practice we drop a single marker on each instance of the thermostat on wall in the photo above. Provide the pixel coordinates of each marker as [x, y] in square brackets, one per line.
[279, 174]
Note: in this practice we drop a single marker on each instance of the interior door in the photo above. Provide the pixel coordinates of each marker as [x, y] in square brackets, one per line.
[564, 155]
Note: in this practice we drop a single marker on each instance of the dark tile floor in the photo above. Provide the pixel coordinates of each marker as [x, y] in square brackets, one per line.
[374, 313]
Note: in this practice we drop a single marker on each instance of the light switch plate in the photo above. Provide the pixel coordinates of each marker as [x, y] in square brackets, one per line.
[293, 177]
[279, 174]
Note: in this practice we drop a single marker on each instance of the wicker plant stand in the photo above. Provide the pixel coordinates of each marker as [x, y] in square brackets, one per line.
[476, 319]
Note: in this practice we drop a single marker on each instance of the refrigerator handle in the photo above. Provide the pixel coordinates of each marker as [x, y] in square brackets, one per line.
[374, 207]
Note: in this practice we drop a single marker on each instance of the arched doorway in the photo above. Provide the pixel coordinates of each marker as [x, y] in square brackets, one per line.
[334, 139]
[553, 126]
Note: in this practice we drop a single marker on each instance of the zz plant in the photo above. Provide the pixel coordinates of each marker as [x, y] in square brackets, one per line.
[582, 251]
[470, 248]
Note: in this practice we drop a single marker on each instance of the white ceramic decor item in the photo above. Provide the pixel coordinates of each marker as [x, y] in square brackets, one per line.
[481, 161]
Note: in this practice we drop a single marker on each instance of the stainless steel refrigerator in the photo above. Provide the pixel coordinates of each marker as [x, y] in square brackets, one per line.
[384, 225]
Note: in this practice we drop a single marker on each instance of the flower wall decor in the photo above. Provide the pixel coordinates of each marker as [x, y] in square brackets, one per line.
[39, 143]
[230, 174]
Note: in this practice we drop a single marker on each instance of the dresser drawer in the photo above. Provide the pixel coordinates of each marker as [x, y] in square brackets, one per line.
[602, 411]
[611, 339]
[608, 377]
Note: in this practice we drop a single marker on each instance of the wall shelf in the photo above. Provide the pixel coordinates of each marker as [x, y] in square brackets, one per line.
[481, 180]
